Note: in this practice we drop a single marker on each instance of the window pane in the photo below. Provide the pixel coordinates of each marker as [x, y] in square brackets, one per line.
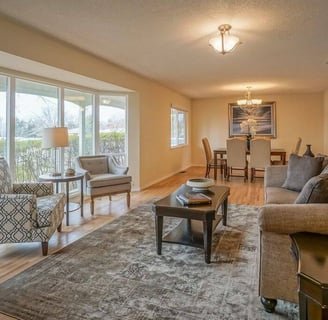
[3, 116]
[36, 108]
[112, 126]
[79, 120]
[178, 127]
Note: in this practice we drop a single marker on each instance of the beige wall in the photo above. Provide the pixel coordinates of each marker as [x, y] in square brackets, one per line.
[297, 115]
[150, 156]
[325, 121]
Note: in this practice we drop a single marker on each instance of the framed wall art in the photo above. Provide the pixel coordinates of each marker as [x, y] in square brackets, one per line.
[256, 121]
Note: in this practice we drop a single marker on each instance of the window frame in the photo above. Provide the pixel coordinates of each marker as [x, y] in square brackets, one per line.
[10, 94]
[175, 128]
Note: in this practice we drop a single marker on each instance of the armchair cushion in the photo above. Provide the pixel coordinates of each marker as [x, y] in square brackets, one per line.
[300, 170]
[315, 190]
[104, 180]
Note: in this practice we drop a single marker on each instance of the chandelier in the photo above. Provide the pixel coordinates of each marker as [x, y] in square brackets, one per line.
[248, 103]
[224, 42]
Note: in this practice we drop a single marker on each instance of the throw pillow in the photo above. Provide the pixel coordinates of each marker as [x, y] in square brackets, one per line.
[315, 190]
[325, 159]
[300, 170]
[325, 170]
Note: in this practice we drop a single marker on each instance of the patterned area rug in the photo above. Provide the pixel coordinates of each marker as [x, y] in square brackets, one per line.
[115, 273]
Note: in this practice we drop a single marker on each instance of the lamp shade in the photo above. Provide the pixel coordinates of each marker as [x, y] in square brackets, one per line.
[55, 137]
[224, 42]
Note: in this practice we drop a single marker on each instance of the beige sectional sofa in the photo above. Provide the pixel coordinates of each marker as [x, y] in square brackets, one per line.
[280, 217]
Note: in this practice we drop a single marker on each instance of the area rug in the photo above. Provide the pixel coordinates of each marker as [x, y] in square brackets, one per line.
[115, 273]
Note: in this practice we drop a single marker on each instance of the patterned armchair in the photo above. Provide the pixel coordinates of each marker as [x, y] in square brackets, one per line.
[29, 212]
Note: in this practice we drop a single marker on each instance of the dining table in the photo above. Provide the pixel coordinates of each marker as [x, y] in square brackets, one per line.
[221, 152]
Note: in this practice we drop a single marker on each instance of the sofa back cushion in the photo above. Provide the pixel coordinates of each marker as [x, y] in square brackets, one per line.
[315, 190]
[300, 170]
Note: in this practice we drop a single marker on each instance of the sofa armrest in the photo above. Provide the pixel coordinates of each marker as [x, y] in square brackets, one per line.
[40, 189]
[274, 176]
[292, 218]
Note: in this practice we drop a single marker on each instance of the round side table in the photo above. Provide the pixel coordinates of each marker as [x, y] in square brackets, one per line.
[67, 179]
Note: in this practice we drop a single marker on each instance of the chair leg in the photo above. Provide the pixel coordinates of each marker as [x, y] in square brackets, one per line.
[59, 228]
[44, 248]
[228, 173]
[207, 172]
[92, 204]
[252, 174]
[128, 199]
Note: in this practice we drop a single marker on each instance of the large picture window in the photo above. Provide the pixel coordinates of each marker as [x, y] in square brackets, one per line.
[36, 107]
[112, 126]
[178, 127]
[3, 116]
[96, 123]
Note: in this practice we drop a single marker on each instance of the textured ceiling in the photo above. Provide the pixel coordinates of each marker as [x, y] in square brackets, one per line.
[284, 42]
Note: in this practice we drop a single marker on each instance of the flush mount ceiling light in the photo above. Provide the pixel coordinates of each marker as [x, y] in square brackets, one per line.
[248, 103]
[224, 42]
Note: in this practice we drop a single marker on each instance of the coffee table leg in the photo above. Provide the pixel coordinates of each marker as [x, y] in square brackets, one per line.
[207, 234]
[224, 211]
[159, 233]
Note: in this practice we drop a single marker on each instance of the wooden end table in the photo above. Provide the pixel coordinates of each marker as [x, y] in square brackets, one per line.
[207, 213]
[67, 179]
[311, 251]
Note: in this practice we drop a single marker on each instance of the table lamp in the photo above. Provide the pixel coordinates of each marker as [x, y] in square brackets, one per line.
[55, 137]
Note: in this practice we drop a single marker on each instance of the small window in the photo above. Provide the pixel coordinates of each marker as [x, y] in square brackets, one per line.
[178, 127]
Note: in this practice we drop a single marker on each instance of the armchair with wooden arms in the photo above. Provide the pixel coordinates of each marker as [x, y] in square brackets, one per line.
[103, 177]
[29, 212]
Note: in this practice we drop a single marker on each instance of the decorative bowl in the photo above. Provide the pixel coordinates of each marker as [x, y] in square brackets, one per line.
[199, 184]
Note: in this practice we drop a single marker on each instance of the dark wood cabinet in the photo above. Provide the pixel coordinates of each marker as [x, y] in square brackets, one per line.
[311, 252]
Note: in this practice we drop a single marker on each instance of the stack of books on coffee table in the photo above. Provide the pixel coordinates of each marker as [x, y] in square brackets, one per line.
[195, 198]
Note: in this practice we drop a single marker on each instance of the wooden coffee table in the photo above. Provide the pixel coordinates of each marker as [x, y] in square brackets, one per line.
[184, 233]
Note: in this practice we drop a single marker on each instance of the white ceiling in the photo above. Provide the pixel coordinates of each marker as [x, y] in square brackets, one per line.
[284, 42]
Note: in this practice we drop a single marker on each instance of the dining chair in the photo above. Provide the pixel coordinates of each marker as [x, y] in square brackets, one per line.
[260, 155]
[236, 158]
[210, 163]
[297, 146]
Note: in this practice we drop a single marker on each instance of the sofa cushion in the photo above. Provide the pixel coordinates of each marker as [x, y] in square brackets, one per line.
[300, 170]
[315, 190]
[277, 195]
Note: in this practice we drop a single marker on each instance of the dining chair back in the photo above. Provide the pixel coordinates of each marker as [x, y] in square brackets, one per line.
[236, 158]
[260, 155]
[297, 146]
[210, 163]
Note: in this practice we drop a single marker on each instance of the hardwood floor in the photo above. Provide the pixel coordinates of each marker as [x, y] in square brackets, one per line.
[14, 258]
